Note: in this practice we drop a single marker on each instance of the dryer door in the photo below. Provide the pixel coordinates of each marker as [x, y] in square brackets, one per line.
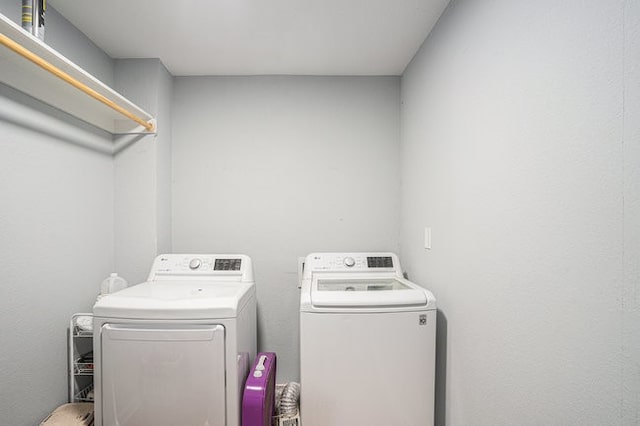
[162, 375]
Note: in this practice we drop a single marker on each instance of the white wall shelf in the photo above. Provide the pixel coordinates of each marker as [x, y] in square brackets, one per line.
[24, 75]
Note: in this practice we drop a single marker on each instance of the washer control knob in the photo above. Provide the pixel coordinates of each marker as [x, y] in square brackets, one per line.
[349, 261]
[195, 263]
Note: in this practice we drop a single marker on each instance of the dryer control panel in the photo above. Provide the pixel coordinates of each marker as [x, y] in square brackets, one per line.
[352, 262]
[206, 265]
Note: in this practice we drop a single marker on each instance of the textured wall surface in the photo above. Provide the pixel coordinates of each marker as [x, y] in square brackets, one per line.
[520, 150]
[68, 40]
[143, 171]
[56, 228]
[278, 167]
[631, 283]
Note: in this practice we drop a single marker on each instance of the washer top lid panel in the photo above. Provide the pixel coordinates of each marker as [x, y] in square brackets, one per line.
[181, 299]
[372, 284]
[359, 283]
[366, 292]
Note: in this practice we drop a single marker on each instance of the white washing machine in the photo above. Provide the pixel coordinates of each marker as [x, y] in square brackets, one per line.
[176, 349]
[367, 343]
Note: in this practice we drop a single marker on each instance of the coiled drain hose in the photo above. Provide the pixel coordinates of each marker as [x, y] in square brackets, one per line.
[289, 399]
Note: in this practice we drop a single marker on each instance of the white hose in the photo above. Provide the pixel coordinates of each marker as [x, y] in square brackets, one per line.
[289, 399]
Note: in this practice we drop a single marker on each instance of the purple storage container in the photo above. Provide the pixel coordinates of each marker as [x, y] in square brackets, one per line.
[258, 401]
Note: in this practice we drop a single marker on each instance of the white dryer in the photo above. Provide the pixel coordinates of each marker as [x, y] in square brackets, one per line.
[176, 349]
[367, 343]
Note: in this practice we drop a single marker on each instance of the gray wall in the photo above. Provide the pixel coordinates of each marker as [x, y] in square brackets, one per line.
[56, 228]
[520, 147]
[143, 171]
[631, 269]
[277, 167]
[68, 40]
[164, 115]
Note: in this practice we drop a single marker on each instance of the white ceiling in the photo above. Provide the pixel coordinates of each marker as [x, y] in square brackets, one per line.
[254, 37]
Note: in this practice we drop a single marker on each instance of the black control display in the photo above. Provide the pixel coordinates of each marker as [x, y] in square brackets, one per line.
[227, 265]
[380, 262]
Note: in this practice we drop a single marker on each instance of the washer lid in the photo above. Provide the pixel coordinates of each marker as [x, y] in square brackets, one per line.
[366, 292]
[186, 299]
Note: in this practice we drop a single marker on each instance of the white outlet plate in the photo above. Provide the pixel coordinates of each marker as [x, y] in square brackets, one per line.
[300, 270]
[427, 238]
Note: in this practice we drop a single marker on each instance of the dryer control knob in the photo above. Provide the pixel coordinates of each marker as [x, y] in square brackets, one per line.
[349, 261]
[195, 263]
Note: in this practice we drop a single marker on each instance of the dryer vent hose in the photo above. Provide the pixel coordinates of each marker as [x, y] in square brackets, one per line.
[289, 399]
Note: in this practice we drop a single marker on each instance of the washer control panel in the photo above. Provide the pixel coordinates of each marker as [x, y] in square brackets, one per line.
[357, 262]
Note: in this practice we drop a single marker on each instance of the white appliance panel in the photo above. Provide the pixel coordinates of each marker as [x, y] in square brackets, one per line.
[184, 299]
[163, 375]
[340, 291]
[208, 267]
[367, 368]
